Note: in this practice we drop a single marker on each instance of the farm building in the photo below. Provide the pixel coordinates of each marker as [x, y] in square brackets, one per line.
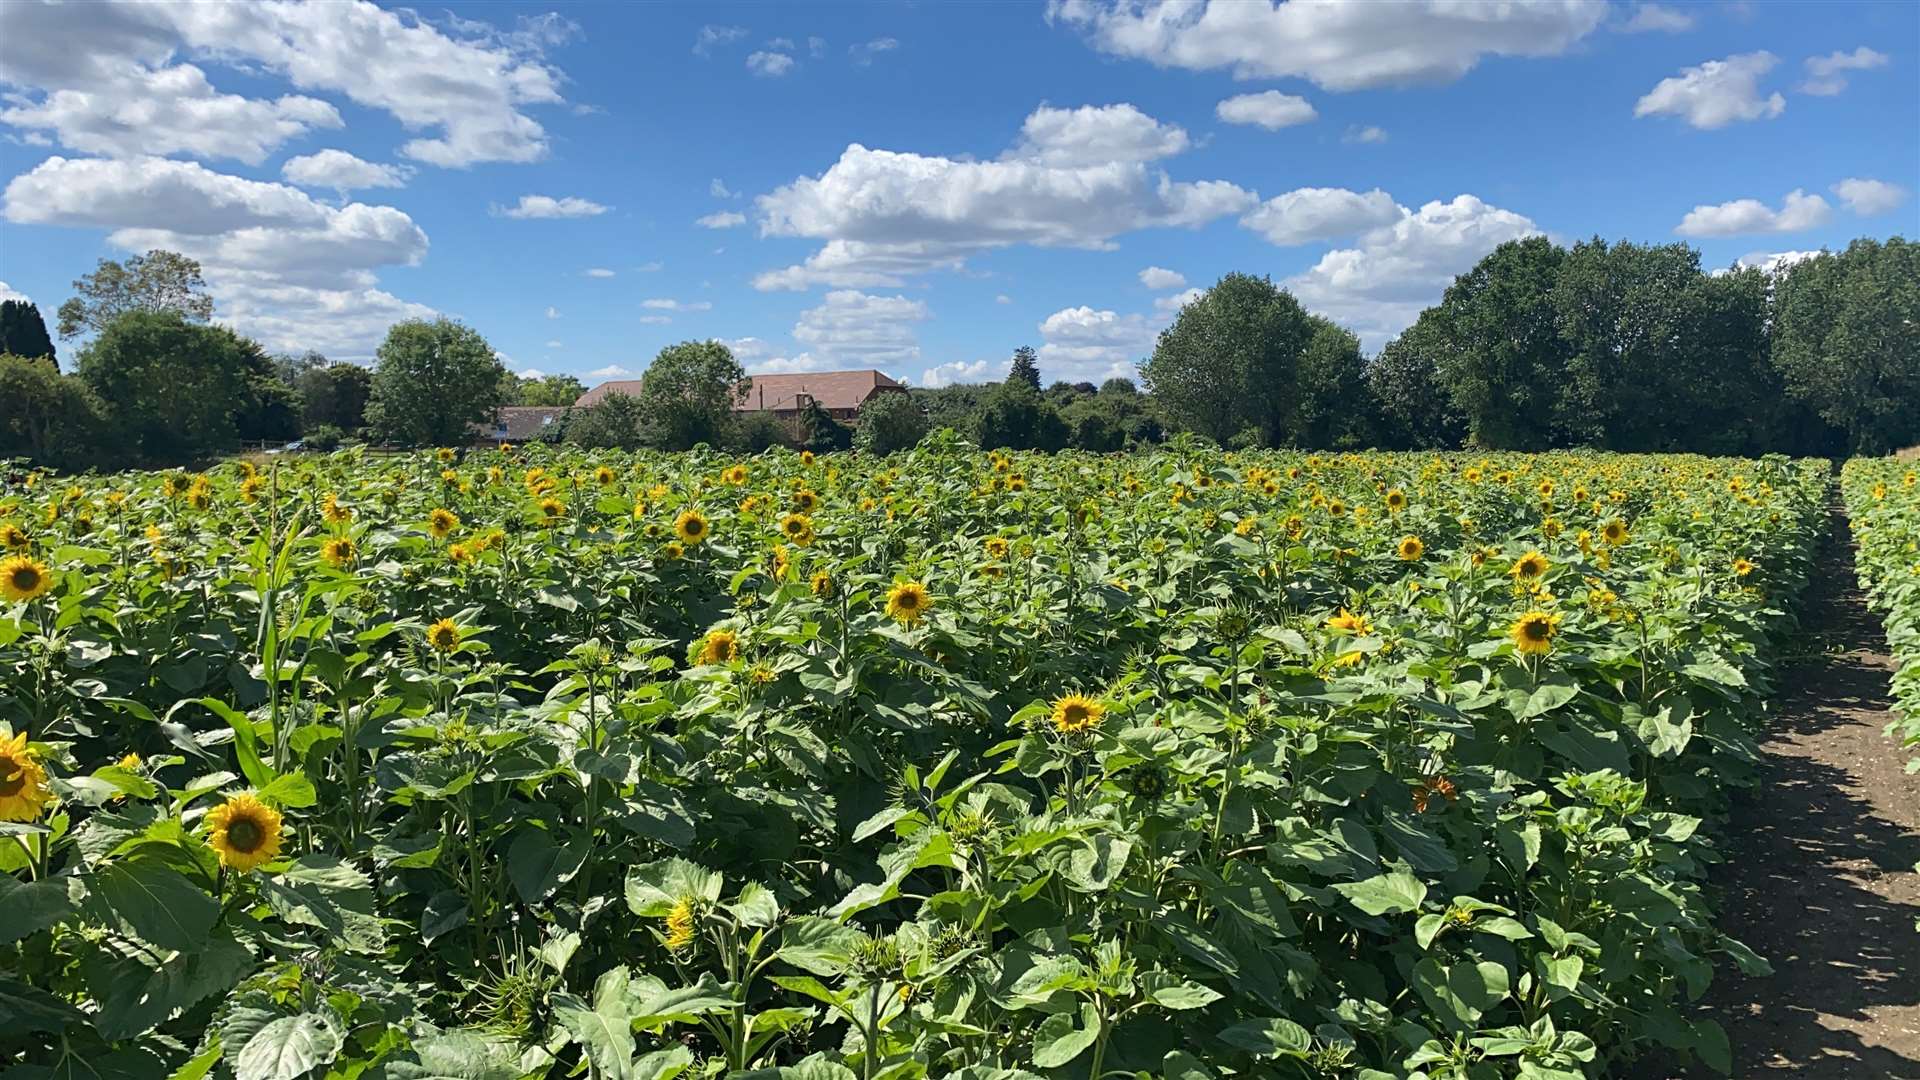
[840, 393]
[518, 424]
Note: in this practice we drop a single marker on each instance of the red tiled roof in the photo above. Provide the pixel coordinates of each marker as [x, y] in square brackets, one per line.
[777, 393]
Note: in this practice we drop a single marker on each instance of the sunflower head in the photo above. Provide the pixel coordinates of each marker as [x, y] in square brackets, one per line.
[806, 457]
[719, 647]
[691, 526]
[338, 551]
[995, 546]
[603, 476]
[1533, 632]
[805, 501]
[1411, 549]
[908, 603]
[1530, 566]
[443, 636]
[673, 551]
[442, 522]
[1077, 713]
[23, 578]
[23, 782]
[245, 831]
[1396, 500]
[1614, 532]
[734, 474]
[798, 529]
[821, 585]
[1351, 623]
[1742, 567]
[12, 537]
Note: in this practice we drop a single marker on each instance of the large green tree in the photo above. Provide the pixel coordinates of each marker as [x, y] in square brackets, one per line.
[157, 281]
[889, 422]
[689, 392]
[1026, 367]
[172, 388]
[1497, 348]
[1846, 339]
[1014, 416]
[51, 419]
[432, 381]
[335, 395]
[1228, 366]
[549, 390]
[1411, 409]
[23, 332]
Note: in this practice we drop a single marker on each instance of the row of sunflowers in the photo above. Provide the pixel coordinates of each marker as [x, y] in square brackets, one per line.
[1883, 504]
[536, 763]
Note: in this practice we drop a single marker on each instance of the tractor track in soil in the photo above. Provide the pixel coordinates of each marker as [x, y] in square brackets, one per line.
[1819, 875]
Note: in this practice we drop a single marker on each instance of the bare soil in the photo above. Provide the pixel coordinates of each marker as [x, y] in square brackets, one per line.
[1819, 877]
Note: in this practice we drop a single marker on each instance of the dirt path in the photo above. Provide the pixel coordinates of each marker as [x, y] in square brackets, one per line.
[1820, 874]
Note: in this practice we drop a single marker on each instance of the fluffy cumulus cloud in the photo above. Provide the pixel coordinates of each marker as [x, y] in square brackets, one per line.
[1084, 344]
[1657, 19]
[1337, 46]
[342, 171]
[711, 36]
[1367, 134]
[465, 92]
[1716, 93]
[1797, 212]
[1774, 261]
[611, 371]
[1269, 109]
[663, 303]
[851, 328]
[1156, 277]
[1869, 197]
[1171, 305]
[1075, 178]
[724, 219]
[1379, 286]
[598, 272]
[1309, 215]
[957, 372]
[546, 206]
[769, 65]
[8, 292]
[864, 52]
[281, 266]
[1826, 75]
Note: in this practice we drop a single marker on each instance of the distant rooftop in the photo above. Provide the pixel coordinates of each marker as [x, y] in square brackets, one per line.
[839, 391]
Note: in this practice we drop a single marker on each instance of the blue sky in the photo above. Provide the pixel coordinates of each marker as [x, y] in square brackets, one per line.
[918, 187]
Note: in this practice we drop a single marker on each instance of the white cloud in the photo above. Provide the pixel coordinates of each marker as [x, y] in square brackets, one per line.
[611, 371]
[463, 95]
[1270, 109]
[1094, 135]
[7, 292]
[1080, 343]
[598, 272]
[553, 312]
[556, 345]
[1171, 305]
[1657, 18]
[782, 44]
[864, 52]
[656, 320]
[343, 172]
[725, 219]
[710, 36]
[852, 328]
[790, 365]
[1156, 277]
[1869, 197]
[281, 266]
[546, 206]
[769, 65]
[958, 372]
[1308, 215]
[1775, 261]
[718, 189]
[525, 373]
[748, 348]
[1003, 298]
[653, 267]
[1341, 47]
[1799, 211]
[1824, 73]
[884, 215]
[660, 303]
[1381, 285]
[169, 110]
[1716, 93]
[1368, 134]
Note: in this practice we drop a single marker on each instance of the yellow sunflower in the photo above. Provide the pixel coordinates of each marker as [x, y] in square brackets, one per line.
[245, 831]
[443, 636]
[995, 546]
[798, 529]
[1411, 549]
[680, 925]
[805, 502]
[720, 647]
[1077, 713]
[821, 585]
[1614, 532]
[1533, 632]
[691, 526]
[23, 783]
[1530, 566]
[1350, 622]
[23, 578]
[674, 551]
[552, 509]
[1396, 500]
[12, 538]
[603, 476]
[441, 523]
[1741, 568]
[338, 551]
[908, 602]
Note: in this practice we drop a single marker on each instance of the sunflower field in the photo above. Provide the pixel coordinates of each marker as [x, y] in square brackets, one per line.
[1883, 503]
[532, 763]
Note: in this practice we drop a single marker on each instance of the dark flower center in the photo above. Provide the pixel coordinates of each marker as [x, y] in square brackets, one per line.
[245, 834]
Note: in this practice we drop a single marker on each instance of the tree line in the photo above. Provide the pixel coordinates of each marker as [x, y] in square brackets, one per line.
[1616, 346]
